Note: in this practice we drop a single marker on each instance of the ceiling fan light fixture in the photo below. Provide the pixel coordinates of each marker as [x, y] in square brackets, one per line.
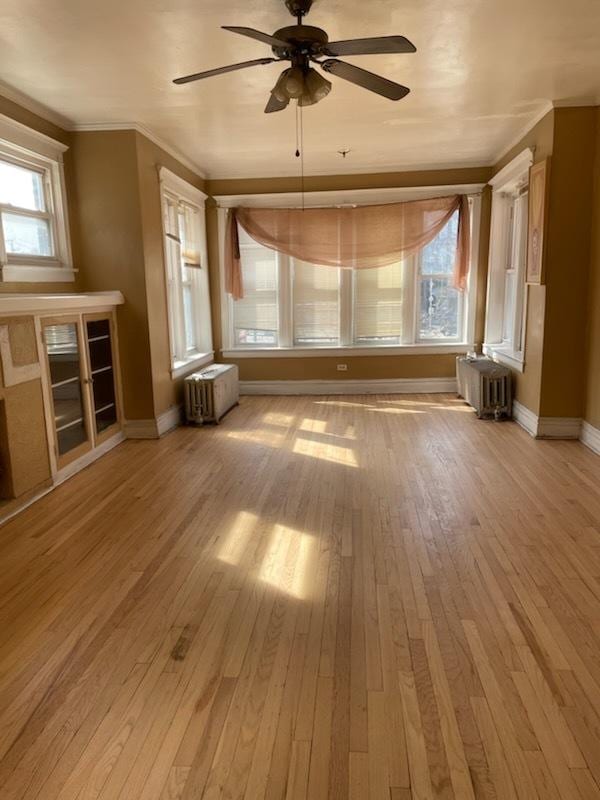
[293, 84]
[317, 86]
[279, 90]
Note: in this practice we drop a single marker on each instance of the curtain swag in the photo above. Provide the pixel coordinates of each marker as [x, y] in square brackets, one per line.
[362, 237]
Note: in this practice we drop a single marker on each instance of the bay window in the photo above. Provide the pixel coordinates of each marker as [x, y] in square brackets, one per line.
[289, 304]
[316, 304]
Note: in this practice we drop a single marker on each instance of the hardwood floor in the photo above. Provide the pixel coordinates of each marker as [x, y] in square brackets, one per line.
[328, 597]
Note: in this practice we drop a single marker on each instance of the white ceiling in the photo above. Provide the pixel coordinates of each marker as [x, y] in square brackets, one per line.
[484, 70]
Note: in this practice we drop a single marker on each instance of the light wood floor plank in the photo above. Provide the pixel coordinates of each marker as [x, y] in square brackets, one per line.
[322, 598]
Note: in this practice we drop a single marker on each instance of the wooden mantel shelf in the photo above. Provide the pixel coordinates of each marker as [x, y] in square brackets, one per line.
[27, 303]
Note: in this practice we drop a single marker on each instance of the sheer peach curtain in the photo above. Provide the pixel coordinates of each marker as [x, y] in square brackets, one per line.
[362, 237]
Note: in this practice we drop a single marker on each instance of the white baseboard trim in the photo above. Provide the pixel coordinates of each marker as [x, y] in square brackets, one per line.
[590, 436]
[559, 428]
[546, 427]
[384, 386]
[93, 455]
[525, 418]
[169, 419]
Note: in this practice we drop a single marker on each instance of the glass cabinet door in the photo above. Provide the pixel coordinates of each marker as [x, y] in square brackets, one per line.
[102, 374]
[65, 368]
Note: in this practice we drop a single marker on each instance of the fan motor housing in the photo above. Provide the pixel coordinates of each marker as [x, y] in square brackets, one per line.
[299, 8]
[302, 38]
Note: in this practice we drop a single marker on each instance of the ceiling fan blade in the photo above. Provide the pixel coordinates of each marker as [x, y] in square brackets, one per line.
[197, 76]
[364, 47]
[275, 105]
[368, 80]
[259, 35]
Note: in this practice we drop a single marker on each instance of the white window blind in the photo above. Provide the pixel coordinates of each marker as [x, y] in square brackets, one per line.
[316, 311]
[378, 305]
[255, 317]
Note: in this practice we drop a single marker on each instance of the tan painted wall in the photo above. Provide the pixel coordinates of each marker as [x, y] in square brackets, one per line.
[150, 157]
[111, 250]
[37, 123]
[567, 262]
[364, 367]
[528, 384]
[592, 396]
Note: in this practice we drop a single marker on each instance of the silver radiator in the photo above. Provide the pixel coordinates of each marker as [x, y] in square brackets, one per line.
[486, 386]
[210, 393]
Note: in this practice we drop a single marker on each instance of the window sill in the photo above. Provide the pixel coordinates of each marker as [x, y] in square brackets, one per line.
[34, 273]
[182, 368]
[503, 355]
[328, 352]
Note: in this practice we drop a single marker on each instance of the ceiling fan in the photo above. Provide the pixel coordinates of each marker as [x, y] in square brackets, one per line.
[302, 45]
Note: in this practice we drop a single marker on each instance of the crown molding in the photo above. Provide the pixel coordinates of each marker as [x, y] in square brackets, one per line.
[141, 129]
[531, 123]
[29, 104]
[573, 102]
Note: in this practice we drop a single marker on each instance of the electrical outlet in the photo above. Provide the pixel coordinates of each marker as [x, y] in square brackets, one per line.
[342, 367]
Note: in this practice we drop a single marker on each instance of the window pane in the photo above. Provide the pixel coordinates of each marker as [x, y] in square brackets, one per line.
[21, 187]
[439, 309]
[378, 305]
[438, 257]
[510, 286]
[316, 304]
[26, 235]
[188, 317]
[255, 316]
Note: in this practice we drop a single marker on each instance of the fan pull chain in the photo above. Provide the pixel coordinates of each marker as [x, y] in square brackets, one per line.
[300, 145]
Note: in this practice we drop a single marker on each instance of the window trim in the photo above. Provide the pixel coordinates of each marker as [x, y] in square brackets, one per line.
[30, 149]
[182, 360]
[352, 197]
[512, 178]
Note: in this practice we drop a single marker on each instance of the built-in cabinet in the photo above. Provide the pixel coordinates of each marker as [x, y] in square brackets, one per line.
[60, 389]
[82, 382]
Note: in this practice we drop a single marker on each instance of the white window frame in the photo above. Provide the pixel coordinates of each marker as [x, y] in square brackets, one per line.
[512, 180]
[411, 343]
[35, 151]
[183, 359]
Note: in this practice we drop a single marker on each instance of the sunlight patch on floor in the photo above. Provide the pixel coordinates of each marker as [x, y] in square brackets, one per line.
[281, 420]
[285, 565]
[326, 452]
[310, 425]
[258, 436]
[237, 538]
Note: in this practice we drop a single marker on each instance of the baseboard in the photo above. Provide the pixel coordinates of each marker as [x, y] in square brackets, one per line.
[525, 418]
[93, 455]
[590, 436]
[153, 428]
[546, 427]
[169, 419]
[559, 428]
[11, 508]
[383, 386]
[140, 429]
